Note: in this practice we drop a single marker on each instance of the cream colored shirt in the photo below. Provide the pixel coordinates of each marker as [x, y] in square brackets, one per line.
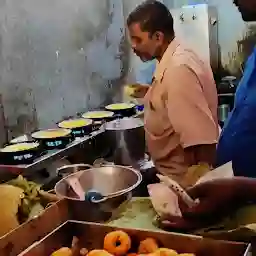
[180, 109]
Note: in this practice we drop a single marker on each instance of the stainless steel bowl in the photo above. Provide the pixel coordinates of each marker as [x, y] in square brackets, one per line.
[115, 183]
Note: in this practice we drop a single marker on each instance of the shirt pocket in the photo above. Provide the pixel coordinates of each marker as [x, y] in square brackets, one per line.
[156, 120]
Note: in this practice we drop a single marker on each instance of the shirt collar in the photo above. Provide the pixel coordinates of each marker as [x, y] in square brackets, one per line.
[164, 62]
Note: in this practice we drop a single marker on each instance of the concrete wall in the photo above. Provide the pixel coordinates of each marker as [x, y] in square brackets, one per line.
[57, 58]
[134, 61]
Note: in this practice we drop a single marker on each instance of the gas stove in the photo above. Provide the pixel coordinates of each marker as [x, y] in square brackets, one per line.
[49, 156]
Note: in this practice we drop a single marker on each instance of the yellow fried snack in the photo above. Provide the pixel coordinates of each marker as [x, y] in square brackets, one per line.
[99, 253]
[165, 252]
[136, 90]
[129, 90]
[10, 200]
[148, 245]
[117, 242]
[64, 251]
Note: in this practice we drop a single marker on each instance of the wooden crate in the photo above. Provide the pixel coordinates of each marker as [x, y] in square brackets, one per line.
[91, 236]
[35, 229]
[22, 237]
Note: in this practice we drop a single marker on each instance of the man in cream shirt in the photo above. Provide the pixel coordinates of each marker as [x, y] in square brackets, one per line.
[181, 105]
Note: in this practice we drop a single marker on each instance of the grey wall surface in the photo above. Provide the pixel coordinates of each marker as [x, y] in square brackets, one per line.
[61, 57]
[57, 58]
[134, 61]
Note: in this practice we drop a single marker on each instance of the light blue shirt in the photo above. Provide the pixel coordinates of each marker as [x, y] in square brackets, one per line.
[145, 74]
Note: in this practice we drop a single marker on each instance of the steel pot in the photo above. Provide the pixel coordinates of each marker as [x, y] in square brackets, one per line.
[115, 183]
[223, 111]
[126, 139]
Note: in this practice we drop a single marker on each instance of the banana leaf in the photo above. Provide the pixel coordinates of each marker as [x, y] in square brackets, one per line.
[139, 213]
[240, 226]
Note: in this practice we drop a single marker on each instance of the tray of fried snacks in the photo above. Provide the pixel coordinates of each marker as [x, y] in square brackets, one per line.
[21, 200]
[75, 238]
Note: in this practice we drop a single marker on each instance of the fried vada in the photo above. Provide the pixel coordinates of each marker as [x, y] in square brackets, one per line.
[165, 252]
[99, 253]
[148, 245]
[117, 243]
[64, 251]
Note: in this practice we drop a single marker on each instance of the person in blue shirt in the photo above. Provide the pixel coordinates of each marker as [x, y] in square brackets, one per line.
[238, 138]
[145, 74]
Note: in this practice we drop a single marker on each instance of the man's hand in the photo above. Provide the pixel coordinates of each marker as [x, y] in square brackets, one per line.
[136, 90]
[216, 198]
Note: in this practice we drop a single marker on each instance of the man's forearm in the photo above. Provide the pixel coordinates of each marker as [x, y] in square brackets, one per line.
[246, 188]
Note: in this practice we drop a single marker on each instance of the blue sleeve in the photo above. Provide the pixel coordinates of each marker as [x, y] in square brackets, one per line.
[244, 150]
[238, 139]
[248, 80]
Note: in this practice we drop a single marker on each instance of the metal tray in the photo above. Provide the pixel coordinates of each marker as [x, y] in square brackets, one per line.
[91, 236]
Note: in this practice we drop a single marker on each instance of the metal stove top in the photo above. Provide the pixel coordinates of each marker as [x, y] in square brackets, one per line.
[50, 156]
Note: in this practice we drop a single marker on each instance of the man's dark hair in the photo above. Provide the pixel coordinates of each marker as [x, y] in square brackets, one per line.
[152, 16]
